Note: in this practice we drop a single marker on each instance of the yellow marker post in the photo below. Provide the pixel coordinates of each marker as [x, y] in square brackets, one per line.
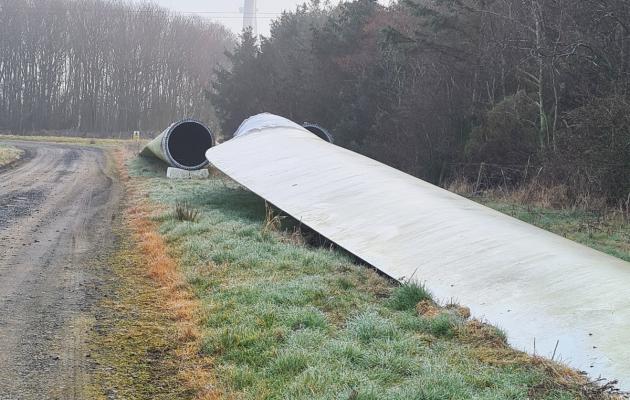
[136, 138]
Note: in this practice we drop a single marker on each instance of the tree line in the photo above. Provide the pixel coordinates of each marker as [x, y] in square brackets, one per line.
[514, 89]
[103, 66]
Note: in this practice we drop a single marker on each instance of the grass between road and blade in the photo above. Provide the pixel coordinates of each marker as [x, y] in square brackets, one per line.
[281, 319]
[9, 154]
[146, 341]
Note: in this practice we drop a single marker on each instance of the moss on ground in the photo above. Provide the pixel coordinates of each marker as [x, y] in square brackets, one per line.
[285, 320]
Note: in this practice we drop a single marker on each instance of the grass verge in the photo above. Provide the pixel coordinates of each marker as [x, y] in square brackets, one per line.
[281, 319]
[73, 140]
[9, 154]
[146, 341]
[132, 343]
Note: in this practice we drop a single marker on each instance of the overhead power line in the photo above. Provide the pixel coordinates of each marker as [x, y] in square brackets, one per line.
[220, 14]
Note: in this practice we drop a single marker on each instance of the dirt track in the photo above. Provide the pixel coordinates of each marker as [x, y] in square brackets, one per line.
[57, 208]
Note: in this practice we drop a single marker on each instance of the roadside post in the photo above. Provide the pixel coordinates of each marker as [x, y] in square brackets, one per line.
[136, 139]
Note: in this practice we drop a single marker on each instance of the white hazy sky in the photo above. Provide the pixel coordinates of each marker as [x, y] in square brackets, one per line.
[228, 12]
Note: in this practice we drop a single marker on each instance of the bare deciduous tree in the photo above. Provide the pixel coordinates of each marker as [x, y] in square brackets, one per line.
[104, 66]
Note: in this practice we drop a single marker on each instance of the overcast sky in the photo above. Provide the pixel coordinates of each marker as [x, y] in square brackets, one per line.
[228, 12]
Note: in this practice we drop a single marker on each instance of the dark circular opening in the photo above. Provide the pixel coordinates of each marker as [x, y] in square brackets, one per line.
[319, 132]
[187, 144]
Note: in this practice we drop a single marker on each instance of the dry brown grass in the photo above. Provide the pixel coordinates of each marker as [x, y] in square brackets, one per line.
[556, 196]
[532, 193]
[273, 220]
[490, 347]
[569, 379]
[462, 186]
[9, 155]
[182, 307]
[483, 335]
[461, 311]
[428, 309]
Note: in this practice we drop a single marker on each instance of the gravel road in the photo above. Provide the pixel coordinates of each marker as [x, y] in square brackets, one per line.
[57, 208]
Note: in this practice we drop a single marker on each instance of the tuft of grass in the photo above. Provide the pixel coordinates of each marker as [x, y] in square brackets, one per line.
[306, 318]
[184, 212]
[444, 325]
[370, 326]
[290, 363]
[408, 295]
[273, 220]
